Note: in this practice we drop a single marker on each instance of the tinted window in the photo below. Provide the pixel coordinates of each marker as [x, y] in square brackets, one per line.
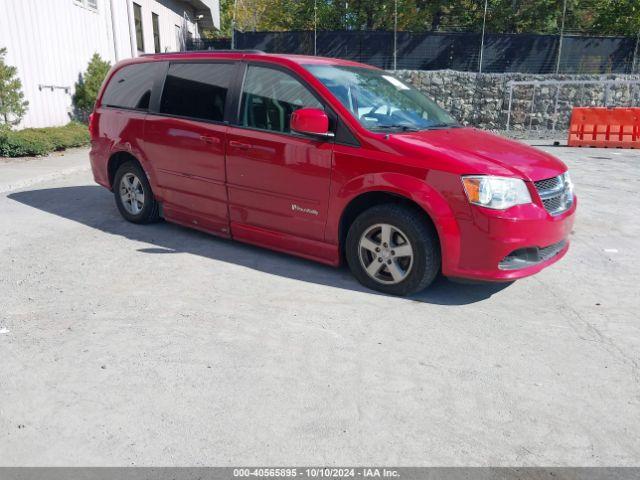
[269, 97]
[131, 86]
[197, 90]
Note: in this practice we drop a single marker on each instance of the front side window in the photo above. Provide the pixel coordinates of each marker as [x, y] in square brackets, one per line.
[130, 87]
[270, 96]
[379, 101]
[197, 90]
[137, 20]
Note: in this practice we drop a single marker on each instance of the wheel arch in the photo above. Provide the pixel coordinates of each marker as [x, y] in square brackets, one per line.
[365, 201]
[115, 160]
[150, 211]
[355, 198]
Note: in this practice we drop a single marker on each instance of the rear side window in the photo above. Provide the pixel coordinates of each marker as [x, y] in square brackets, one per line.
[131, 86]
[270, 96]
[197, 90]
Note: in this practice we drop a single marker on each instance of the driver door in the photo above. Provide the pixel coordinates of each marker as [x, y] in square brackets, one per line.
[277, 180]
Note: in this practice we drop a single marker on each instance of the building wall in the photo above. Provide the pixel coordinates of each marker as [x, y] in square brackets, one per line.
[172, 14]
[51, 42]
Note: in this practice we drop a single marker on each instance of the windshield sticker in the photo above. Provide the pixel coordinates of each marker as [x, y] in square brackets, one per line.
[395, 82]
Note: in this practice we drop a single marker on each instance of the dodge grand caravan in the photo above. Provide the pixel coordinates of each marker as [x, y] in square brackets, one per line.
[329, 160]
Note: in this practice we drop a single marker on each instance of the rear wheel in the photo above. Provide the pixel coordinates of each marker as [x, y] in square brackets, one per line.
[133, 194]
[393, 249]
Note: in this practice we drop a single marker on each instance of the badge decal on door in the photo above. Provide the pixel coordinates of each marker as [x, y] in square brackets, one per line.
[298, 208]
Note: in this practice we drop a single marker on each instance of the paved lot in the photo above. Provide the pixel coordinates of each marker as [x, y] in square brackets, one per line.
[157, 345]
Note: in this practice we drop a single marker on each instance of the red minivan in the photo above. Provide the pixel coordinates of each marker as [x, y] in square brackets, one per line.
[326, 159]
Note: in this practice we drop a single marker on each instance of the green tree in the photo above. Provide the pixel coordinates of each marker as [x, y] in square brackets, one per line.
[605, 17]
[621, 17]
[13, 106]
[88, 86]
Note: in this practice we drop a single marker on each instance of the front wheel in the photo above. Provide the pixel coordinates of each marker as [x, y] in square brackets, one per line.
[393, 249]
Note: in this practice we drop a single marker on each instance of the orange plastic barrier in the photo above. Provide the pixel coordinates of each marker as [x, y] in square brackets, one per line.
[605, 127]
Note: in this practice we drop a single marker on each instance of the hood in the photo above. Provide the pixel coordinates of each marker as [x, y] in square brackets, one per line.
[474, 151]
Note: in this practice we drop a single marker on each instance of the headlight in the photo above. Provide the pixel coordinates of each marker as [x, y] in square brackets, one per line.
[568, 184]
[499, 193]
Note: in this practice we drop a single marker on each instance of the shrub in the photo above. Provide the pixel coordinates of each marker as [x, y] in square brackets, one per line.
[25, 143]
[13, 106]
[88, 86]
[40, 141]
[74, 134]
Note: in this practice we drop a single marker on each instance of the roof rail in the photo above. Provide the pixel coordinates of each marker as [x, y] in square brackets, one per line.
[204, 51]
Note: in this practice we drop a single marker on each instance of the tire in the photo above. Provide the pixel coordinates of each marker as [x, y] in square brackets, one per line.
[409, 259]
[142, 207]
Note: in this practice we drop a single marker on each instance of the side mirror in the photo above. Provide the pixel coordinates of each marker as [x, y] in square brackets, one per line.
[311, 121]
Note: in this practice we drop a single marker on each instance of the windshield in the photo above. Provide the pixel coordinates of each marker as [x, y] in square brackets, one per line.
[379, 101]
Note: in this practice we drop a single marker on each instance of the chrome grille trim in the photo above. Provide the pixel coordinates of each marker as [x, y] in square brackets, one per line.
[555, 194]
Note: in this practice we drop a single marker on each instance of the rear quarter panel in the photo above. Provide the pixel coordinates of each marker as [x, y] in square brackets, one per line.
[117, 130]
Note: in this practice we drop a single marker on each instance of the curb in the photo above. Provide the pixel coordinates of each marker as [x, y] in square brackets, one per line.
[17, 185]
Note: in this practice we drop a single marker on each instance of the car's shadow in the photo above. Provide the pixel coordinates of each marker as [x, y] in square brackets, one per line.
[94, 206]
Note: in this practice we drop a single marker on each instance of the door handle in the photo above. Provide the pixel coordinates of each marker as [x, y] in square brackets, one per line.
[211, 140]
[240, 145]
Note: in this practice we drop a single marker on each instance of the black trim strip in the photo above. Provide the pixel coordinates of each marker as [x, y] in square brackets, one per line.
[157, 88]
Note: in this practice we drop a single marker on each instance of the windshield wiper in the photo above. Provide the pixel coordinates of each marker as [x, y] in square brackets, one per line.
[443, 125]
[404, 128]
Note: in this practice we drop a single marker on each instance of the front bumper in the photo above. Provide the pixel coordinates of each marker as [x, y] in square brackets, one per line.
[507, 245]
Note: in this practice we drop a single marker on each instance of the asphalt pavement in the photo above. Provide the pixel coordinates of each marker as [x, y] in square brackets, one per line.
[157, 345]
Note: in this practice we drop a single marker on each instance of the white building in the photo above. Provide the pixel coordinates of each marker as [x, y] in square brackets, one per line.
[51, 41]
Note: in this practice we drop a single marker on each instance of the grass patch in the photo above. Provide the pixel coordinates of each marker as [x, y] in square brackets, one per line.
[40, 141]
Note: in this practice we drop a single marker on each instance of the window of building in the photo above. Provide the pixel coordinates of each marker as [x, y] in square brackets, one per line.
[269, 97]
[131, 86]
[197, 90]
[137, 20]
[180, 44]
[90, 4]
[156, 32]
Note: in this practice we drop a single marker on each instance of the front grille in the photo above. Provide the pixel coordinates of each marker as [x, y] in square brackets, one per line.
[546, 253]
[555, 193]
[554, 205]
[549, 183]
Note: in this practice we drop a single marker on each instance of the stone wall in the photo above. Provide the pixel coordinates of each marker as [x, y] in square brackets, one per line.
[483, 99]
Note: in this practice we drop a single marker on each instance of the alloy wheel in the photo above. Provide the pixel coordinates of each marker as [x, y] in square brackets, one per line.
[131, 193]
[385, 253]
